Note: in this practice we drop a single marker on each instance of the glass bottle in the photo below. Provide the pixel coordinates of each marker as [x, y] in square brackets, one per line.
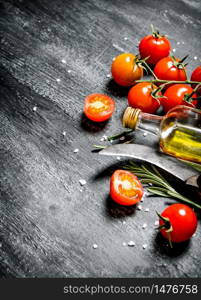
[179, 130]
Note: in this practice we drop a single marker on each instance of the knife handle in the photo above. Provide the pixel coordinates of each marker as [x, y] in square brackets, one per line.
[195, 181]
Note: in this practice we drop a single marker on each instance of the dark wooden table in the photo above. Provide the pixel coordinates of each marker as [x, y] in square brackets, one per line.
[52, 54]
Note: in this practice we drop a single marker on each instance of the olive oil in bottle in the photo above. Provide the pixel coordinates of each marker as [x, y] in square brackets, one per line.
[179, 130]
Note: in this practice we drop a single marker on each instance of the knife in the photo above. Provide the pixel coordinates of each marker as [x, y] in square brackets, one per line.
[167, 163]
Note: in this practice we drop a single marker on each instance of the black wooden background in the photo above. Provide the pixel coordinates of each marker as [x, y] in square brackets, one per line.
[53, 54]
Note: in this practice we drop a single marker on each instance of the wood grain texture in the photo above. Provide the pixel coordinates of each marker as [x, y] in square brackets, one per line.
[52, 54]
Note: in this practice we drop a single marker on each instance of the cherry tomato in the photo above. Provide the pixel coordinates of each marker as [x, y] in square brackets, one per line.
[176, 94]
[98, 107]
[125, 70]
[125, 188]
[141, 96]
[196, 76]
[183, 221]
[154, 46]
[169, 68]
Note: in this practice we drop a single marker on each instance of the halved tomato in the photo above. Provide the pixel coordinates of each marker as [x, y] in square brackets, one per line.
[98, 107]
[125, 188]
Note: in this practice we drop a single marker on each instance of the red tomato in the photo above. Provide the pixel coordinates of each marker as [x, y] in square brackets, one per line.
[183, 221]
[154, 46]
[175, 95]
[168, 68]
[125, 70]
[141, 96]
[125, 188]
[98, 107]
[196, 76]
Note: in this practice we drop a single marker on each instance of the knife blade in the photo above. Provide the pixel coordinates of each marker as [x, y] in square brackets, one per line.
[147, 154]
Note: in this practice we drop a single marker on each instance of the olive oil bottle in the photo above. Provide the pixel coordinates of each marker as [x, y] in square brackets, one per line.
[179, 130]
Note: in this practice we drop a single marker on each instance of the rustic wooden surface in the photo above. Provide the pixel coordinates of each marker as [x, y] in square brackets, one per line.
[52, 54]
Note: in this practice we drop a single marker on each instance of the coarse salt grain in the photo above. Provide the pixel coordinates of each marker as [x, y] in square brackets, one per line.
[64, 133]
[178, 43]
[156, 223]
[95, 246]
[139, 207]
[131, 244]
[146, 210]
[122, 138]
[108, 75]
[174, 50]
[195, 58]
[144, 226]
[58, 79]
[144, 246]
[125, 38]
[118, 157]
[124, 222]
[124, 244]
[82, 182]
[35, 108]
[145, 134]
[63, 61]
[76, 151]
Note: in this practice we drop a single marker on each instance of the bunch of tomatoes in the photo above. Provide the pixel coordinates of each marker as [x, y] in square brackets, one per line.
[168, 88]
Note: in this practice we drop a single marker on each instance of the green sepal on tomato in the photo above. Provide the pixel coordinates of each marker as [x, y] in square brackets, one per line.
[178, 222]
[125, 188]
[178, 94]
[145, 96]
[98, 107]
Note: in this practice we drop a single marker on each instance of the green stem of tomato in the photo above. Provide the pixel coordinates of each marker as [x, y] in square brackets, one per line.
[168, 81]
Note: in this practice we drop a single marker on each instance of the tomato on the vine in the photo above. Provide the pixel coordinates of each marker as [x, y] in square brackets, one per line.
[142, 96]
[170, 68]
[196, 76]
[180, 221]
[177, 94]
[99, 107]
[155, 47]
[125, 69]
[125, 188]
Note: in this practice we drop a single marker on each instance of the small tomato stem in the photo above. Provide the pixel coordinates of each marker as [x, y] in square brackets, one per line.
[168, 81]
[150, 70]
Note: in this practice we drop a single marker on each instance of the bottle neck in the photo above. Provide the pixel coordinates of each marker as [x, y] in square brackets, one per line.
[136, 119]
[148, 122]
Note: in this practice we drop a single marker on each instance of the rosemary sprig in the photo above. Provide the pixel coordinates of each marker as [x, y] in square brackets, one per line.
[149, 174]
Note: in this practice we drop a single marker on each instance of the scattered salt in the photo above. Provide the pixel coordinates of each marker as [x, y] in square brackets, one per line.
[174, 50]
[144, 226]
[183, 43]
[35, 108]
[131, 244]
[156, 223]
[64, 133]
[118, 157]
[69, 71]
[122, 138]
[76, 150]
[144, 246]
[108, 75]
[125, 38]
[63, 61]
[124, 244]
[178, 43]
[95, 246]
[195, 58]
[145, 134]
[124, 222]
[146, 210]
[58, 79]
[139, 207]
[82, 182]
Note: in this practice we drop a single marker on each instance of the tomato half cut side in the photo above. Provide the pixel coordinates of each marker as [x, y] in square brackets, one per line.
[125, 188]
[98, 107]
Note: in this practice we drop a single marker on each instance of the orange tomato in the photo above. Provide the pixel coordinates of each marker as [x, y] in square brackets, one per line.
[125, 70]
